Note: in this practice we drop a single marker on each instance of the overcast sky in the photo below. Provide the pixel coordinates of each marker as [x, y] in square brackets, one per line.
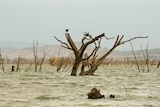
[25, 20]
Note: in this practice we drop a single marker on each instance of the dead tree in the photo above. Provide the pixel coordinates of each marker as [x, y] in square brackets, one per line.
[146, 57]
[1, 61]
[42, 60]
[35, 49]
[80, 52]
[18, 63]
[135, 57]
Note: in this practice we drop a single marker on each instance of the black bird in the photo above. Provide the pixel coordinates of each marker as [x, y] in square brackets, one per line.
[86, 34]
[67, 30]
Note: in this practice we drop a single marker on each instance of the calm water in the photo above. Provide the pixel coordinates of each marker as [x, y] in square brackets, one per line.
[52, 89]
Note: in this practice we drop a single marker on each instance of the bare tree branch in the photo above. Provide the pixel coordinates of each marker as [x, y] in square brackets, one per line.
[83, 47]
[99, 61]
[96, 50]
[71, 43]
[86, 58]
[133, 39]
[93, 53]
[108, 38]
[115, 44]
[64, 43]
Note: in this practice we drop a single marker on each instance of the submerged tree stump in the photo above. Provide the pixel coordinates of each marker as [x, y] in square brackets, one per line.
[95, 94]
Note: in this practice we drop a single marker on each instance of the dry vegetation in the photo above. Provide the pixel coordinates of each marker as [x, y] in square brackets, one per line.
[62, 63]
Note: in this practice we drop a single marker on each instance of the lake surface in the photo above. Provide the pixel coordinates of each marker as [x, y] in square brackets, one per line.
[52, 89]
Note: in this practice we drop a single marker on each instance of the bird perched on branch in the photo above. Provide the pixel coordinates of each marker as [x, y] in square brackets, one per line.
[67, 30]
[86, 34]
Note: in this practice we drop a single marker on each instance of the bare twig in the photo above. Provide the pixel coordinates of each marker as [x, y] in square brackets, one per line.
[61, 63]
[146, 57]
[94, 52]
[137, 63]
[86, 58]
[29, 66]
[35, 50]
[134, 38]
[18, 64]
[42, 60]
[108, 38]
[147, 60]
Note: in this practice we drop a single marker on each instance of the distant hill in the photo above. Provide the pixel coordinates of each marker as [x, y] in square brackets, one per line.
[8, 49]
[57, 50]
[52, 50]
[17, 44]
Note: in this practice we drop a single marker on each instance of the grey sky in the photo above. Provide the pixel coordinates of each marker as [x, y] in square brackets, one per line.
[25, 20]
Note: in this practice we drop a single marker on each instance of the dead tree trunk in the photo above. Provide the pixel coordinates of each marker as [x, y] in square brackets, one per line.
[76, 65]
[18, 64]
[147, 59]
[1, 61]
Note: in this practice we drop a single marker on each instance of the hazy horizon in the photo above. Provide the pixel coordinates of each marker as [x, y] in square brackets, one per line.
[22, 45]
[42, 19]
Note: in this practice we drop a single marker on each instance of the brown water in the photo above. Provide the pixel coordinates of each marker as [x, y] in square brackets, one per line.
[52, 89]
